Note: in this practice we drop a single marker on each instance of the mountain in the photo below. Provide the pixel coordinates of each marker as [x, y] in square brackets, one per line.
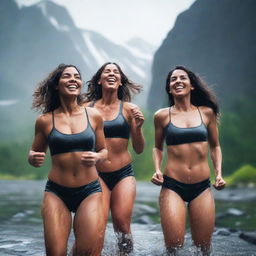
[215, 39]
[35, 39]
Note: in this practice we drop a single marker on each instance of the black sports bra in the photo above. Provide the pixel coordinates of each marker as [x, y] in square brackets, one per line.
[59, 142]
[118, 127]
[175, 135]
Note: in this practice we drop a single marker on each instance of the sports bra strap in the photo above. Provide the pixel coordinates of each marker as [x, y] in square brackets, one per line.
[87, 116]
[53, 124]
[200, 115]
[121, 108]
[169, 114]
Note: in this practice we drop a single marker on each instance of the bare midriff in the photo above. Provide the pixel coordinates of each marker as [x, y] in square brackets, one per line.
[67, 170]
[188, 163]
[118, 155]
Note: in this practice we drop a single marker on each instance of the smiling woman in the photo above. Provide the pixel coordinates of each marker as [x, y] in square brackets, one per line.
[109, 91]
[74, 135]
[188, 127]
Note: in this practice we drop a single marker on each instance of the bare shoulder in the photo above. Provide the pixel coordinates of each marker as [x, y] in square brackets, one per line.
[44, 118]
[207, 111]
[129, 105]
[43, 121]
[87, 104]
[94, 113]
[161, 113]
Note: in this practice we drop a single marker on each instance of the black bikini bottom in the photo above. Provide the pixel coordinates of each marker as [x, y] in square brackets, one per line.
[187, 192]
[112, 178]
[72, 197]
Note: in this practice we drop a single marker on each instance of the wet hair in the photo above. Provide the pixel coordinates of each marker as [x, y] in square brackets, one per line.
[94, 91]
[202, 95]
[46, 97]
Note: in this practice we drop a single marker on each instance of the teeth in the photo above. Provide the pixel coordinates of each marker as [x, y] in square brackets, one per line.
[72, 87]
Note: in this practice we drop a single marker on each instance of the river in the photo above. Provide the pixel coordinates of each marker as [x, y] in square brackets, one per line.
[21, 231]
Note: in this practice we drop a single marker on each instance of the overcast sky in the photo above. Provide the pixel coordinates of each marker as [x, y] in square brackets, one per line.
[121, 20]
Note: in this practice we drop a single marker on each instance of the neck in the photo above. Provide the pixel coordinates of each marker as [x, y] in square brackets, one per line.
[69, 105]
[183, 104]
[109, 98]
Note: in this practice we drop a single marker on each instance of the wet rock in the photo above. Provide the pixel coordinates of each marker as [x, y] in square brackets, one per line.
[249, 237]
[221, 232]
[144, 220]
[144, 209]
[235, 212]
[230, 212]
[233, 230]
[19, 215]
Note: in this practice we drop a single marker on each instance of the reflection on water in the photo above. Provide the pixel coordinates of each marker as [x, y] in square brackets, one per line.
[21, 231]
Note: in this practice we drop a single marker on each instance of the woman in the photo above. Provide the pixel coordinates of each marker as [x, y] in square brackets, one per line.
[188, 126]
[76, 141]
[109, 91]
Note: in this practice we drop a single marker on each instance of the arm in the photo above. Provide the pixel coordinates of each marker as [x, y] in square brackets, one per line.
[157, 177]
[215, 151]
[36, 154]
[138, 140]
[90, 158]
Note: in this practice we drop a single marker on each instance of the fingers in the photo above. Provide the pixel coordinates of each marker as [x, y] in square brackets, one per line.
[219, 184]
[157, 179]
[138, 116]
[36, 158]
[89, 158]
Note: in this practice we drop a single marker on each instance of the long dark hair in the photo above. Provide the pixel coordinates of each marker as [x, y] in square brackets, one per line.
[46, 97]
[202, 95]
[94, 91]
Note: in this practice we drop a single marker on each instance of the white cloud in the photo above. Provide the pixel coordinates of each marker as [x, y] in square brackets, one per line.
[121, 20]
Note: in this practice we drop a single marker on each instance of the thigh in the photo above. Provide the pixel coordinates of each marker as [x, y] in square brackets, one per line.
[57, 221]
[202, 217]
[173, 217]
[122, 201]
[106, 193]
[89, 226]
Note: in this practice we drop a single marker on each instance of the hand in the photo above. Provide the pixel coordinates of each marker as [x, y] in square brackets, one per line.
[138, 116]
[36, 158]
[157, 178]
[219, 183]
[89, 158]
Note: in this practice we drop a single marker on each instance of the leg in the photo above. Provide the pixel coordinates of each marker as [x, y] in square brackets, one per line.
[106, 193]
[202, 218]
[57, 225]
[173, 219]
[89, 226]
[122, 201]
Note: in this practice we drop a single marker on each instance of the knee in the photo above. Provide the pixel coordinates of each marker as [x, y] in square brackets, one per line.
[121, 224]
[56, 252]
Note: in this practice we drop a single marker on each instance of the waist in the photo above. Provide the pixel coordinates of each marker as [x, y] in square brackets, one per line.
[168, 179]
[187, 173]
[125, 169]
[72, 175]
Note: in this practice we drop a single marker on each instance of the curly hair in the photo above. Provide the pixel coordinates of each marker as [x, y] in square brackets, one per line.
[94, 91]
[46, 97]
[202, 95]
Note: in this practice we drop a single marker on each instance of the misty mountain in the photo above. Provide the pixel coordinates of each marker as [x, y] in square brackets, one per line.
[35, 39]
[215, 39]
